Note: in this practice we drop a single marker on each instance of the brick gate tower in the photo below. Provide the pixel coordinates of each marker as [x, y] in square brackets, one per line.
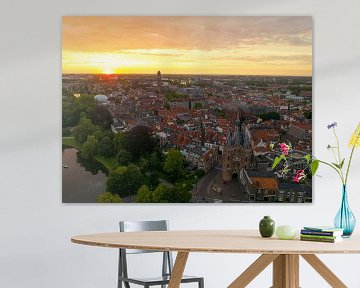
[236, 154]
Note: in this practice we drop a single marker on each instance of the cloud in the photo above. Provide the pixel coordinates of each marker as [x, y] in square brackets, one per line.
[105, 34]
[229, 45]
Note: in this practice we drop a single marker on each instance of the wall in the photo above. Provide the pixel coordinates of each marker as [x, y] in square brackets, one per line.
[35, 228]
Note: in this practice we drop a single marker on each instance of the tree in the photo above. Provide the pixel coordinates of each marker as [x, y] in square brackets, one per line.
[139, 142]
[155, 161]
[116, 182]
[143, 164]
[134, 178]
[152, 180]
[144, 195]
[124, 157]
[100, 115]
[174, 164]
[119, 140]
[124, 180]
[269, 116]
[106, 147]
[101, 133]
[199, 173]
[108, 197]
[308, 114]
[85, 103]
[84, 129]
[179, 195]
[70, 112]
[90, 147]
[161, 194]
[165, 194]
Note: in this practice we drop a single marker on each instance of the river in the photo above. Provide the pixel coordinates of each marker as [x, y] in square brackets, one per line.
[82, 180]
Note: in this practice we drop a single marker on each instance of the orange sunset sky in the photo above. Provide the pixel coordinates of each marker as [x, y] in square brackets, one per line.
[261, 45]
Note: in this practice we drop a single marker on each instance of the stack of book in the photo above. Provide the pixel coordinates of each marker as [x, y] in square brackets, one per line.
[321, 234]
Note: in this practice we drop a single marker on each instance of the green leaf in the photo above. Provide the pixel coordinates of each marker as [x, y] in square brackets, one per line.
[342, 163]
[314, 167]
[277, 161]
[339, 166]
[308, 157]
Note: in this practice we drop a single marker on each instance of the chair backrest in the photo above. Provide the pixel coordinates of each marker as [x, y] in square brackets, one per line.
[138, 226]
[133, 226]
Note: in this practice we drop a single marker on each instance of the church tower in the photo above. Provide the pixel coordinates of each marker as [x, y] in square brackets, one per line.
[158, 80]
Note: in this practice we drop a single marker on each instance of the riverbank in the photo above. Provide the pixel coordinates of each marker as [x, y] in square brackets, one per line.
[108, 163]
[70, 141]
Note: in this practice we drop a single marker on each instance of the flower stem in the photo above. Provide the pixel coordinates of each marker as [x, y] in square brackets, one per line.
[337, 170]
[338, 150]
[333, 152]
[337, 144]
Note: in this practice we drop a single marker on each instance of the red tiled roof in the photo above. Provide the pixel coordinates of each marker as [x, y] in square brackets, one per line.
[265, 183]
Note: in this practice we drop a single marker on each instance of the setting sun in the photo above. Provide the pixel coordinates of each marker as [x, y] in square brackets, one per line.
[108, 71]
[202, 45]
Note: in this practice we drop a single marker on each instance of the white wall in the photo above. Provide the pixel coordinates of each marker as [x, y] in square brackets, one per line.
[35, 228]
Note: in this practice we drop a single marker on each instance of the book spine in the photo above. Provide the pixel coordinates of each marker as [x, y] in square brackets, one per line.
[318, 236]
[319, 233]
[318, 239]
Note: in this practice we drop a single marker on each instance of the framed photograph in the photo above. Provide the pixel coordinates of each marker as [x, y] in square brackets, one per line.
[193, 109]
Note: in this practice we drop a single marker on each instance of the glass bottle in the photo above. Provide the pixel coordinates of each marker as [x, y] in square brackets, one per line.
[345, 219]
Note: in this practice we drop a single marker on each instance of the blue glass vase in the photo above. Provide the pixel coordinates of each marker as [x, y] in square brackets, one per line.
[345, 219]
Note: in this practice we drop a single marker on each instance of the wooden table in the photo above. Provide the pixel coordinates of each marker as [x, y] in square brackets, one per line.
[284, 254]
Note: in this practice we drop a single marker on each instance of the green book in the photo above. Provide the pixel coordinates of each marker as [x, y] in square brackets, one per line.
[325, 240]
[319, 236]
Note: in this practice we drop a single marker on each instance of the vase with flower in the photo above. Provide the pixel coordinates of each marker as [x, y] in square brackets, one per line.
[344, 219]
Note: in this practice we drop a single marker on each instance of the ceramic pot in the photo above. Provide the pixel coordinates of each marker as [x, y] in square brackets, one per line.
[266, 227]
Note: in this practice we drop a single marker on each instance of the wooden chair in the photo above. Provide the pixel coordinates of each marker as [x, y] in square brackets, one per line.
[167, 262]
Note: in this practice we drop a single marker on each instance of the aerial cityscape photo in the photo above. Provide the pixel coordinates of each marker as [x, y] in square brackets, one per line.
[185, 109]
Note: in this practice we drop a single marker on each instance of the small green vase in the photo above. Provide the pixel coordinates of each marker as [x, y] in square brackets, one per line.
[267, 227]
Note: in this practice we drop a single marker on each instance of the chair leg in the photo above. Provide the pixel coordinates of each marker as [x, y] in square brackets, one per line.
[201, 283]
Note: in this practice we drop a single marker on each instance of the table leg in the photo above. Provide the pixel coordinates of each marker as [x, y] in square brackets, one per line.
[178, 269]
[253, 270]
[286, 271]
[324, 271]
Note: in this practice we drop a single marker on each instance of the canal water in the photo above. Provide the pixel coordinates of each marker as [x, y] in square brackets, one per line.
[82, 180]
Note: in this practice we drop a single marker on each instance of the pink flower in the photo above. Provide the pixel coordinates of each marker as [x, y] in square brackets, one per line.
[299, 175]
[284, 148]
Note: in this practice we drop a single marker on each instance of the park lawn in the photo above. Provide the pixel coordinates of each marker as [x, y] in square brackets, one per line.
[109, 163]
[70, 141]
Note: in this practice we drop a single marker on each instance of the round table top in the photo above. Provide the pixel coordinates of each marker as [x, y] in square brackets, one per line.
[217, 241]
